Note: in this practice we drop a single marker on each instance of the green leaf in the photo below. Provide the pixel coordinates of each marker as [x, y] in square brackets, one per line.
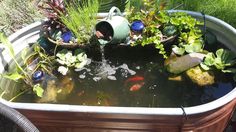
[7, 43]
[178, 50]
[228, 56]
[229, 70]
[205, 67]
[14, 76]
[209, 59]
[219, 64]
[194, 47]
[175, 21]
[38, 90]
[24, 54]
[219, 53]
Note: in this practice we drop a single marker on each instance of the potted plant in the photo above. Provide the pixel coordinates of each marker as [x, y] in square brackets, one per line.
[151, 25]
[66, 26]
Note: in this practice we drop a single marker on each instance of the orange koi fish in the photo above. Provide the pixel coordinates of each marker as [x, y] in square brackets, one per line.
[134, 79]
[136, 86]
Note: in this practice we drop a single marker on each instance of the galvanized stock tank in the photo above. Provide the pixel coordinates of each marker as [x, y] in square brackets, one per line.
[210, 117]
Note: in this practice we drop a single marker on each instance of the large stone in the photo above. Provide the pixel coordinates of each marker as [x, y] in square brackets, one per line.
[201, 77]
[177, 65]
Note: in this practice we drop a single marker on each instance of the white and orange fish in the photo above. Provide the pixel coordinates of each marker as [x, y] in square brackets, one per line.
[136, 86]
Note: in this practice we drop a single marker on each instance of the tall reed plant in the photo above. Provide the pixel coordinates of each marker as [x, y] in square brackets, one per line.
[80, 18]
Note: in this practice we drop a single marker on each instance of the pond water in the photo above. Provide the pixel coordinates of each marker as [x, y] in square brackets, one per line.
[129, 77]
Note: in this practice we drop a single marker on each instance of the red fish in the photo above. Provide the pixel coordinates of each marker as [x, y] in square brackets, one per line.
[134, 79]
[136, 86]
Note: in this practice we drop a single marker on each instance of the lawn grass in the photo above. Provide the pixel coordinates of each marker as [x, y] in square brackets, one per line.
[14, 14]
[222, 9]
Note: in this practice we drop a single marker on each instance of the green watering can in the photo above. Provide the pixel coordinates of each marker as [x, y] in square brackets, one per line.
[113, 29]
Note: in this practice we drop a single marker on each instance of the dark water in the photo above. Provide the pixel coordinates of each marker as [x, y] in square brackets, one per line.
[109, 83]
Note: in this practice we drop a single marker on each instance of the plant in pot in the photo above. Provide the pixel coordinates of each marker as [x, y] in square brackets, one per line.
[70, 23]
[182, 34]
[161, 27]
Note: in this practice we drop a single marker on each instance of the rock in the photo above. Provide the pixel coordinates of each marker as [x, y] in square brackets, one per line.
[178, 78]
[113, 78]
[177, 65]
[50, 93]
[201, 77]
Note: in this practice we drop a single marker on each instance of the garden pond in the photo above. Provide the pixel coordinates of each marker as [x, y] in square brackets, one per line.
[126, 76]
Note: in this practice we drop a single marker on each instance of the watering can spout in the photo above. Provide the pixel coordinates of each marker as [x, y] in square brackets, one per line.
[113, 29]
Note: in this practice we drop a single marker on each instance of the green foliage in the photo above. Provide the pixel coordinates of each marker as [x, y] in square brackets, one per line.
[67, 59]
[13, 76]
[152, 33]
[38, 90]
[223, 60]
[80, 18]
[223, 9]
[45, 63]
[190, 38]
[160, 24]
[4, 41]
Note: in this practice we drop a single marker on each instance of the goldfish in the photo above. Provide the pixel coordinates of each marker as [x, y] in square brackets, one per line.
[81, 93]
[136, 86]
[134, 79]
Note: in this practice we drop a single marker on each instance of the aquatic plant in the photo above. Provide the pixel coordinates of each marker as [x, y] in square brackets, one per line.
[68, 60]
[222, 60]
[160, 25]
[80, 18]
[190, 41]
[152, 32]
[16, 75]
[26, 70]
